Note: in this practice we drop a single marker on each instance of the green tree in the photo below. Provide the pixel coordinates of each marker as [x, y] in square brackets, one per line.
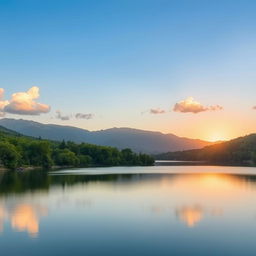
[128, 157]
[9, 156]
[84, 160]
[39, 154]
[66, 158]
[254, 157]
[62, 145]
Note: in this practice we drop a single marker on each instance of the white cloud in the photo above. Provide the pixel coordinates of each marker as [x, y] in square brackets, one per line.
[190, 105]
[23, 103]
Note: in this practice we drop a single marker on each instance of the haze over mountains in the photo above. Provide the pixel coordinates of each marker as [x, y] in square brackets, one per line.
[137, 140]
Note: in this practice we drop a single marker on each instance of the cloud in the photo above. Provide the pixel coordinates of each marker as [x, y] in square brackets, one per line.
[190, 105]
[254, 107]
[84, 116]
[154, 111]
[62, 117]
[23, 103]
[215, 108]
[157, 111]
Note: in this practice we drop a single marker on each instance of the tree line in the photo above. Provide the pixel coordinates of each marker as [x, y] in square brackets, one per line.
[21, 151]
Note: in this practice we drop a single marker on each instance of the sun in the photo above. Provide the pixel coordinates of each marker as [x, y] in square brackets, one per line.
[217, 137]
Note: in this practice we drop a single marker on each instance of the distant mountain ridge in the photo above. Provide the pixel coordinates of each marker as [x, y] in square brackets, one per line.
[8, 131]
[135, 139]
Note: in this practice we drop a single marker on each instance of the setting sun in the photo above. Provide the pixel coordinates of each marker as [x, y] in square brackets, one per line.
[217, 137]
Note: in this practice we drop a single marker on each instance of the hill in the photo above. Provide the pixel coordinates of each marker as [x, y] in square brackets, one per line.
[17, 150]
[137, 140]
[237, 151]
[8, 131]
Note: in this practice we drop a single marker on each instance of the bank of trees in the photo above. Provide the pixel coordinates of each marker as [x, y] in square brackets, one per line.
[17, 151]
[238, 151]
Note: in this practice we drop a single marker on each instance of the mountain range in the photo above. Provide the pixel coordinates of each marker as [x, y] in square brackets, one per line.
[138, 140]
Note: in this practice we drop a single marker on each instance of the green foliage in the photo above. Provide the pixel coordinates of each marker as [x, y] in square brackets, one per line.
[39, 153]
[9, 155]
[17, 150]
[64, 157]
[84, 160]
[146, 160]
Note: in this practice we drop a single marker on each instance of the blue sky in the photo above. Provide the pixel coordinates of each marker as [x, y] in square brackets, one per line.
[117, 59]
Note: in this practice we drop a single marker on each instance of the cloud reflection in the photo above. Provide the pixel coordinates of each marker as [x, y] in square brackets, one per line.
[191, 215]
[2, 217]
[23, 218]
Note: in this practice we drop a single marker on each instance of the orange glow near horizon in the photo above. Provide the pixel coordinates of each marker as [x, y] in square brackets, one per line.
[217, 137]
[223, 125]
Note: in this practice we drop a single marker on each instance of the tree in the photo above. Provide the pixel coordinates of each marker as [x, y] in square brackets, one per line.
[39, 153]
[66, 158]
[254, 157]
[84, 160]
[9, 156]
[128, 157]
[62, 145]
[146, 160]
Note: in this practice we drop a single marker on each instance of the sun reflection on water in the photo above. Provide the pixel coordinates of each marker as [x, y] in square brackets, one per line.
[192, 198]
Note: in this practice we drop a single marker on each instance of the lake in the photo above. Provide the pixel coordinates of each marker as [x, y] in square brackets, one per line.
[160, 210]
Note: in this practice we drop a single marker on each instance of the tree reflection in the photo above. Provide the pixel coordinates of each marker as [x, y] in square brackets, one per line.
[15, 182]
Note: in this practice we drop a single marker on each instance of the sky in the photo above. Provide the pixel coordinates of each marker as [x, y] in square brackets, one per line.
[185, 67]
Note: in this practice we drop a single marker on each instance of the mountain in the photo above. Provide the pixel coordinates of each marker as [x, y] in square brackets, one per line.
[236, 151]
[137, 140]
[6, 131]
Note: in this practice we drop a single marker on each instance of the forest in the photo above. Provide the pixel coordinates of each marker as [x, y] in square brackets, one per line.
[17, 150]
[241, 150]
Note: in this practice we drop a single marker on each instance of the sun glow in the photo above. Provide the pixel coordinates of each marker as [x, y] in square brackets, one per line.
[217, 137]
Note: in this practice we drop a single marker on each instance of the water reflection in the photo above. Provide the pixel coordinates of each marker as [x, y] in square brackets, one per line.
[170, 200]
[2, 217]
[26, 218]
[19, 183]
[22, 217]
[191, 215]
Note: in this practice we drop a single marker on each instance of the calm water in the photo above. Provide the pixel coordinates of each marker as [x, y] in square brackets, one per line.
[161, 210]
